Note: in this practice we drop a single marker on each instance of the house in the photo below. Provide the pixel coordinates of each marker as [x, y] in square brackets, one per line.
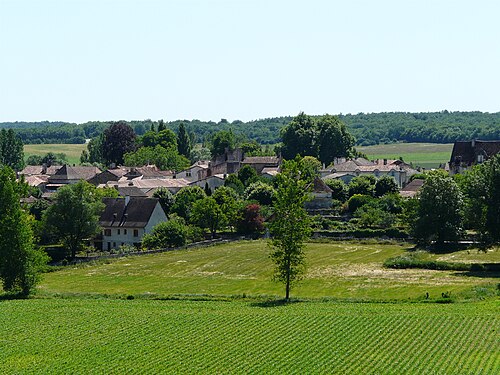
[321, 195]
[150, 185]
[346, 177]
[397, 169]
[68, 174]
[465, 154]
[148, 172]
[37, 170]
[113, 174]
[213, 182]
[411, 190]
[195, 172]
[259, 163]
[125, 221]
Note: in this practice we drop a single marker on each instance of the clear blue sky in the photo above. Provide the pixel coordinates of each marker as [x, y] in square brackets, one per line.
[211, 59]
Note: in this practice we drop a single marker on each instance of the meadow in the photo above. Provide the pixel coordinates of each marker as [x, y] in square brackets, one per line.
[347, 271]
[426, 155]
[72, 151]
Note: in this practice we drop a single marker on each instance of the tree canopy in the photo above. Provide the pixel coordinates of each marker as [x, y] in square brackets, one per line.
[118, 140]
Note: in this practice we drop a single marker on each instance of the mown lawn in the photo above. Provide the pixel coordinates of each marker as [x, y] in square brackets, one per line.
[72, 151]
[427, 155]
[106, 336]
[338, 270]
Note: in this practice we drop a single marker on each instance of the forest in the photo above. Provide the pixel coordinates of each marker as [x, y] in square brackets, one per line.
[367, 128]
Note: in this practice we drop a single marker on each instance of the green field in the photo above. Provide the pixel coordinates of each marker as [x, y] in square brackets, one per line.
[212, 337]
[427, 155]
[72, 151]
[338, 270]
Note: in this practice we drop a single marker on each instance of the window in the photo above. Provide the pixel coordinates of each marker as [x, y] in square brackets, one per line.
[188, 174]
[136, 233]
[118, 231]
[480, 158]
[124, 231]
[107, 232]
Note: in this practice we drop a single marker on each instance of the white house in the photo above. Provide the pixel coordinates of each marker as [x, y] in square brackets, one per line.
[125, 221]
[195, 172]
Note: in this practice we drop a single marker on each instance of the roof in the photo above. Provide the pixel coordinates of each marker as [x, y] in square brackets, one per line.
[466, 151]
[135, 214]
[319, 186]
[382, 165]
[338, 175]
[273, 171]
[130, 191]
[36, 180]
[414, 185]
[151, 183]
[261, 160]
[67, 172]
[108, 175]
[148, 171]
[39, 169]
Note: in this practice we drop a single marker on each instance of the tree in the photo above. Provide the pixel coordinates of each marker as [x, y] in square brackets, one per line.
[183, 141]
[385, 185]
[235, 183]
[206, 213]
[222, 140]
[250, 220]
[95, 148]
[166, 199]
[261, 192]
[439, 215]
[493, 198]
[184, 200]
[227, 198]
[291, 225]
[20, 262]
[310, 167]
[364, 185]
[11, 150]
[74, 216]
[247, 175]
[163, 158]
[161, 125]
[119, 139]
[339, 189]
[299, 137]
[171, 233]
[333, 139]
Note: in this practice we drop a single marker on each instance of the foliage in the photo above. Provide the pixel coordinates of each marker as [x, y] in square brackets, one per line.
[200, 154]
[20, 262]
[420, 259]
[183, 141]
[439, 215]
[166, 199]
[310, 167]
[118, 140]
[11, 150]
[184, 200]
[357, 201]
[291, 225]
[206, 213]
[334, 140]
[247, 175]
[95, 150]
[222, 140]
[340, 191]
[235, 183]
[228, 200]
[261, 192]
[373, 215]
[385, 185]
[364, 185]
[49, 159]
[74, 216]
[250, 220]
[165, 138]
[171, 233]
[163, 158]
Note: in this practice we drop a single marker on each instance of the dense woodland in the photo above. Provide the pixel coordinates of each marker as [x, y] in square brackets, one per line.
[368, 129]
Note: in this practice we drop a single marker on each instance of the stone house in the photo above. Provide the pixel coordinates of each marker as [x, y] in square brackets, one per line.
[466, 154]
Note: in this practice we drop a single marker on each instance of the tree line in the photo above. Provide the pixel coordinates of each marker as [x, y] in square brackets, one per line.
[367, 128]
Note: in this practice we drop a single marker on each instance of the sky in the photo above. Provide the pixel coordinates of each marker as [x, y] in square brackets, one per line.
[78, 61]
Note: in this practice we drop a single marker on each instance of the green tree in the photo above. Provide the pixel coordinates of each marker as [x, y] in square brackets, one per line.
[183, 141]
[493, 198]
[119, 139]
[161, 125]
[291, 226]
[333, 139]
[171, 233]
[184, 200]
[166, 199]
[235, 183]
[163, 158]
[364, 185]
[20, 262]
[339, 189]
[222, 140]
[310, 167]
[299, 137]
[229, 202]
[206, 213]
[385, 185]
[439, 214]
[95, 148]
[247, 175]
[261, 192]
[11, 150]
[74, 216]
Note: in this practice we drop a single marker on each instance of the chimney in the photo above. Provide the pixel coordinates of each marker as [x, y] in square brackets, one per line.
[44, 168]
[127, 199]
[473, 143]
[385, 161]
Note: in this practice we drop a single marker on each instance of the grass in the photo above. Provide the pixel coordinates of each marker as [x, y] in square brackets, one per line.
[72, 151]
[338, 270]
[193, 337]
[427, 155]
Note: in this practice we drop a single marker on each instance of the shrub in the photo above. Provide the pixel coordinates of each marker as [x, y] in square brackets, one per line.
[251, 221]
[357, 201]
[172, 233]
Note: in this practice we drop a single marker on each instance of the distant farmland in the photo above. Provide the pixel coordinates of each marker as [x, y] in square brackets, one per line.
[72, 151]
[427, 155]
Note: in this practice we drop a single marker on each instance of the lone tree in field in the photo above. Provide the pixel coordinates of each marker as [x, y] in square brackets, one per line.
[20, 262]
[291, 226]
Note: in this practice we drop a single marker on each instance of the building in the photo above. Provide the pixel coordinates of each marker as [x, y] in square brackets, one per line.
[125, 221]
[195, 172]
[68, 174]
[466, 154]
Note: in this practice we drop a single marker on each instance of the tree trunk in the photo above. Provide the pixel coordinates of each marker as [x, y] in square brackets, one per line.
[287, 286]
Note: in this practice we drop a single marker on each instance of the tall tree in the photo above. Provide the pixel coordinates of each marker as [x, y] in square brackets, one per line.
[74, 216]
[333, 139]
[11, 150]
[299, 137]
[206, 213]
[119, 139]
[222, 140]
[161, 125]
[20, 262]
[439, 214]
[291, 226]
[184, 200]
[183, 141]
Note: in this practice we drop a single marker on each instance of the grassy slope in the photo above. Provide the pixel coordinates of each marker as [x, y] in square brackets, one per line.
[342, 270]
[72, 151]
[428, 155]
[141, 336]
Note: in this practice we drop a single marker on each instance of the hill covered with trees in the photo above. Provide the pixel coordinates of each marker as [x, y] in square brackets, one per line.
[367, 128]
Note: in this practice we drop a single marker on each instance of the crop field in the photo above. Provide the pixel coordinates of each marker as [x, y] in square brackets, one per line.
[72, 151]
[109, 336]
[339, 270]
[427, 155]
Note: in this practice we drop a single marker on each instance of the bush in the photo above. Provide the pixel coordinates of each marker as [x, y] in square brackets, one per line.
[172, 233]
[357, 201]
[417, 260]
[251, 221]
